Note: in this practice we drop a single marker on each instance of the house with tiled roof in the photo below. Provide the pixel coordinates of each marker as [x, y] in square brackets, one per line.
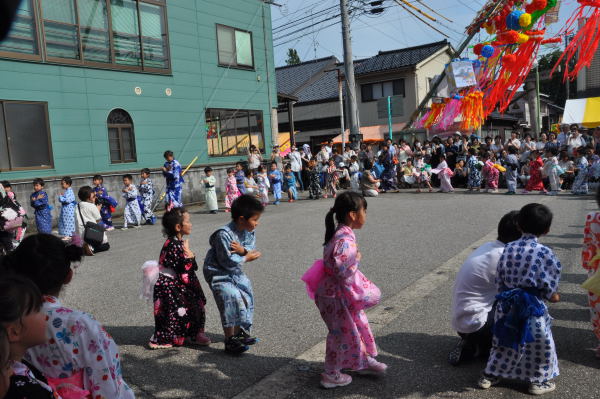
[403, 74]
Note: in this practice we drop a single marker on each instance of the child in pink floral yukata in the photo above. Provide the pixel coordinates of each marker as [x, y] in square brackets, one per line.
[79, 359]
[343, 293]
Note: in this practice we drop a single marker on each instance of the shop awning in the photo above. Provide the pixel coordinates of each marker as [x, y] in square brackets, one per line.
[583, 111]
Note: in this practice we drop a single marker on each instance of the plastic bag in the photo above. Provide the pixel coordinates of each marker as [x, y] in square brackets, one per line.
[150, 272]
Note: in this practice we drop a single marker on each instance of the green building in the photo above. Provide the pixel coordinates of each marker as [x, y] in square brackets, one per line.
[106, 86]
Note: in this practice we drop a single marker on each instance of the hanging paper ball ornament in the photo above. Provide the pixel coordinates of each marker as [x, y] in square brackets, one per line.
[509, 37]
[512, 20]
[509, 60]
[539, 4]
[489, 28]
[525, 20]
[487, 51]
[523, 38]
[477, 49]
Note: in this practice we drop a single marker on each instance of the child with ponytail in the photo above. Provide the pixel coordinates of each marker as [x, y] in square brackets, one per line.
[342, 294]
[78, 355]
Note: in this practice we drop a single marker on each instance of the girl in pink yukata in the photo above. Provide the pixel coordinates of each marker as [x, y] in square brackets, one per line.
[343, 294]
[490, 173]
[231, 189]
[444, 174]
[79, 358]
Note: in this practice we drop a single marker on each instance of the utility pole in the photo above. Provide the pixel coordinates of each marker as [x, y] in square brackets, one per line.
[538, 122]
[349, 69]
[341, 99]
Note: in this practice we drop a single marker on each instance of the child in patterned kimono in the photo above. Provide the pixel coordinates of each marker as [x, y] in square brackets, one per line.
[231, 247]
[21, 315]
[108, 203]
[66, 221]
[314, 179]
[343, 293]
[147, 196]
[231, 189]
[43, 211]
[445, 174]
[79, 353]
[474, 178]
[332, 180]
[174, 180]
[535, 182]
[290, 183]
[276, 178]
[263, 185]
[551, 171]
[240, 176]
[580, 184]
[210, 192]
[512, 170]
[490, 173]
[591, 262]
[133, 214]
[528, 272]
[179, 301]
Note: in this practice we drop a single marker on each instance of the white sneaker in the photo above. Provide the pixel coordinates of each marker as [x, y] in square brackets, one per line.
[333, 381]
[487, 381]
[542, 388]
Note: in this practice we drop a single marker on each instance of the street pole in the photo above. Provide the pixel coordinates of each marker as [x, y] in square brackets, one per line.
[341, 98]
[537, 99]
[349, 68]
[389, 109]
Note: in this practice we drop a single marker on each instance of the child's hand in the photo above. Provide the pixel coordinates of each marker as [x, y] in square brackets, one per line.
[237, 248]
[186, 250]
[555, 298]
[358, 256]
[252, 255]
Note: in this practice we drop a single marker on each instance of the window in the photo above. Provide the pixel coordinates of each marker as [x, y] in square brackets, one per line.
[375, 91]
[24, 136]
[22, 38]
[234, 47]
[230, 132]
[121, 139]
[116, 34]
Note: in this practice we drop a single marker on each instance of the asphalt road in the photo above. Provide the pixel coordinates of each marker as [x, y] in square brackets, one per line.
[411, 244]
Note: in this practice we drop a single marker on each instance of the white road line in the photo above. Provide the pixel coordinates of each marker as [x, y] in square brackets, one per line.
[283, 382]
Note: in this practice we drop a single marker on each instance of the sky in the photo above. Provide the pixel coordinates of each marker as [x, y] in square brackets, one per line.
[394, 29]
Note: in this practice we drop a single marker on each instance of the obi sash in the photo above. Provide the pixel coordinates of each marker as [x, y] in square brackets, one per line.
[70, 387]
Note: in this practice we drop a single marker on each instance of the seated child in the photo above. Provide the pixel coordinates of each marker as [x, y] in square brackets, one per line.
[78, 351]
[179, 301]
[475, 293]
[24, 323]
[528, 272]
[231, 247]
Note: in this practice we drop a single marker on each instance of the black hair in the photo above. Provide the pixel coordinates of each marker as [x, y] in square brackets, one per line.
[239, 163]
[512, 149]
[553, 151]
[6, 184]
[98, 177]
[486, 155]
[168, 153]
[85, 192]
[345, 203]
[260, 168]
[246, 206]
[208, 169]
[45, 260]
[127, 176]
[368, 164]
[273, 163]
[67, 179]
[248, 173]
[535, 219]
[471, 151]
[287, 167]
[230, 170]
[508, 228]
[39, 181]
[18, 297]
[574, 125]
[146, 171]
[171, 219]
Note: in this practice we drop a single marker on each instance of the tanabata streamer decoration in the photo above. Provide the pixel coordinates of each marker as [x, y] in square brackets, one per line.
[471, 109]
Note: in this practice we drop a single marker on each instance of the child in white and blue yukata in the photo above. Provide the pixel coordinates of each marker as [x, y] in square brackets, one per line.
[146, 196]
[43, 210]
[174, 180]
[275, 177]
[66, 220]
[290, 183]
[107, 203]
[133, 214]
[231, 248]
[528, 272]
[512, 170]
[240, 177]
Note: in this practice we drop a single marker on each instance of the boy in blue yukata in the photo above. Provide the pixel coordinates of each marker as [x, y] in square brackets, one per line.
[39, 202]
[66, 221]
[172, 173]
[528, 272]
[133, 214]
[290, 183]
[240, 177]
[231, 247]
[275, 177]
[107, 203]
[147, 196]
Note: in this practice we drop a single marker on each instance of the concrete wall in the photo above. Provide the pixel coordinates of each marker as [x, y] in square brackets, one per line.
[80, 98]
[368, 110]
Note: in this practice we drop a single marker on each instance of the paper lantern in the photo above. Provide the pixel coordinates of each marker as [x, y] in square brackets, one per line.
[512, 20]
[523, 38]
[487, 51]
[477, 49]
[525, 20]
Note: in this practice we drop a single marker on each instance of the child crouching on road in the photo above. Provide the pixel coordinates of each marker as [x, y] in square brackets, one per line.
[231, 247]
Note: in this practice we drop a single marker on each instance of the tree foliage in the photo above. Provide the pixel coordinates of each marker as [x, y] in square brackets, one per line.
[293, 58]
[555, 87]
